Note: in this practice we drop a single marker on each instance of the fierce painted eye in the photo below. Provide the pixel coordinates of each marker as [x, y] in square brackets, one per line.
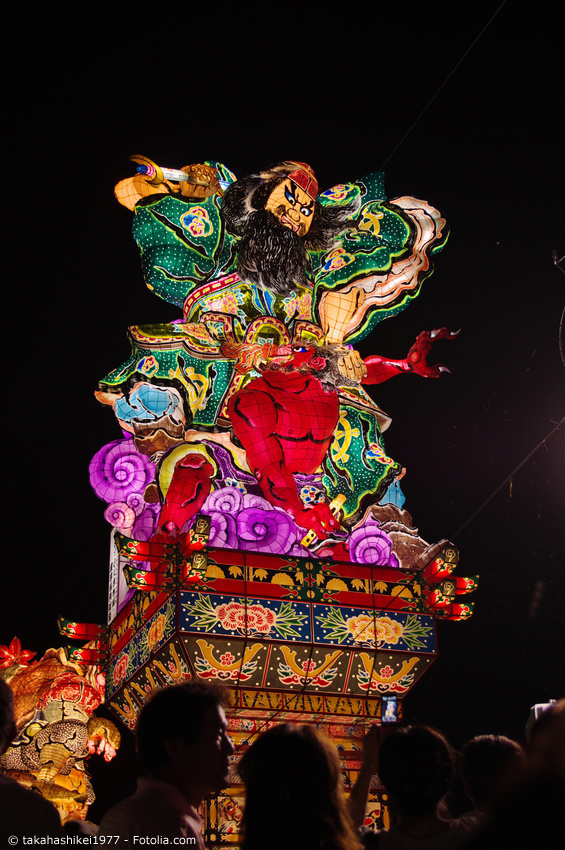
[306, 211]
[288, 196]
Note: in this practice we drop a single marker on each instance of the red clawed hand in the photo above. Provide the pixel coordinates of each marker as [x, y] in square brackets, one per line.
[416, 358]
[318, 519]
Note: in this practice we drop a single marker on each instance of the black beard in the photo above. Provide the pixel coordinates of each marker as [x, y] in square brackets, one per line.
[272, 256]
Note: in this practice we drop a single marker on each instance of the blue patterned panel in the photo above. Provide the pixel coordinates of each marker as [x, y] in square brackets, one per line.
[360, 627]
[256, 618]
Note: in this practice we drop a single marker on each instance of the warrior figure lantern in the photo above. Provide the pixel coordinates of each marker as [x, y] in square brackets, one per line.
[251, 408]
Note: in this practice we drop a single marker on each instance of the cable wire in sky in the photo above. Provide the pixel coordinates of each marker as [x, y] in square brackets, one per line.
[508, 478]
[429, 103]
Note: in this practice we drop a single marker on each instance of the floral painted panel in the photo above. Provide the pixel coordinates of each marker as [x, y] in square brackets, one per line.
[121, 667]
[156, 631]
[362, 627]
[257, 618]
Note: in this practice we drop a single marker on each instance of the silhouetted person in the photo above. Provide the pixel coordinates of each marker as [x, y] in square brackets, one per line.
[416, 765]
[184, 750]
[533, 816]
[493, 768]
[293, 793]
[22, 812]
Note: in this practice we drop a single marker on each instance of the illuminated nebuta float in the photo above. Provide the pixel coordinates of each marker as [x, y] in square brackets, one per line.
[259, 536]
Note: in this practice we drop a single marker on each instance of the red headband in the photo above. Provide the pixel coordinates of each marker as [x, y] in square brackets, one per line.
[305, 178]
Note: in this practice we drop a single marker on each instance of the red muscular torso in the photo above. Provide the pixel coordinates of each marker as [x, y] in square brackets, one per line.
[285, 420]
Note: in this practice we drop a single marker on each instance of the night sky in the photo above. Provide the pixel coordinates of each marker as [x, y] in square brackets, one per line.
[477, 135]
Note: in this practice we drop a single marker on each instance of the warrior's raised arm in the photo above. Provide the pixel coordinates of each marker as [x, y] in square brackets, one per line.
[191, 181]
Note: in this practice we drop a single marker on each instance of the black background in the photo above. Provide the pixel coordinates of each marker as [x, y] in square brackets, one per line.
[338, 90]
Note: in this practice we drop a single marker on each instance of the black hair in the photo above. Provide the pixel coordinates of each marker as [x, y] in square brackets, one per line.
[293, 793]
[485, 758]
[416, 764]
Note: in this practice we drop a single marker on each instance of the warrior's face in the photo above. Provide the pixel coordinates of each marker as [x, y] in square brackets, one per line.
[277, 222]
[291, 206]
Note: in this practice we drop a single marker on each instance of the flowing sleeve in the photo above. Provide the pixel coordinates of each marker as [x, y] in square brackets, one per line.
[386, 252]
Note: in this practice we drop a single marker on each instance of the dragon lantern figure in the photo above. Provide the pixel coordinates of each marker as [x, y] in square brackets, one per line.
[255, 396]
[54, 704]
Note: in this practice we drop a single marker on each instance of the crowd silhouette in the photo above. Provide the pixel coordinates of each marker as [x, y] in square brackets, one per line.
[494, 793]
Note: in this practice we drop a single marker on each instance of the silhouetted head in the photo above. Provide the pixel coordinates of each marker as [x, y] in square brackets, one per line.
[182, 736]
[293, 792]
[415, 765]
[492, 765]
